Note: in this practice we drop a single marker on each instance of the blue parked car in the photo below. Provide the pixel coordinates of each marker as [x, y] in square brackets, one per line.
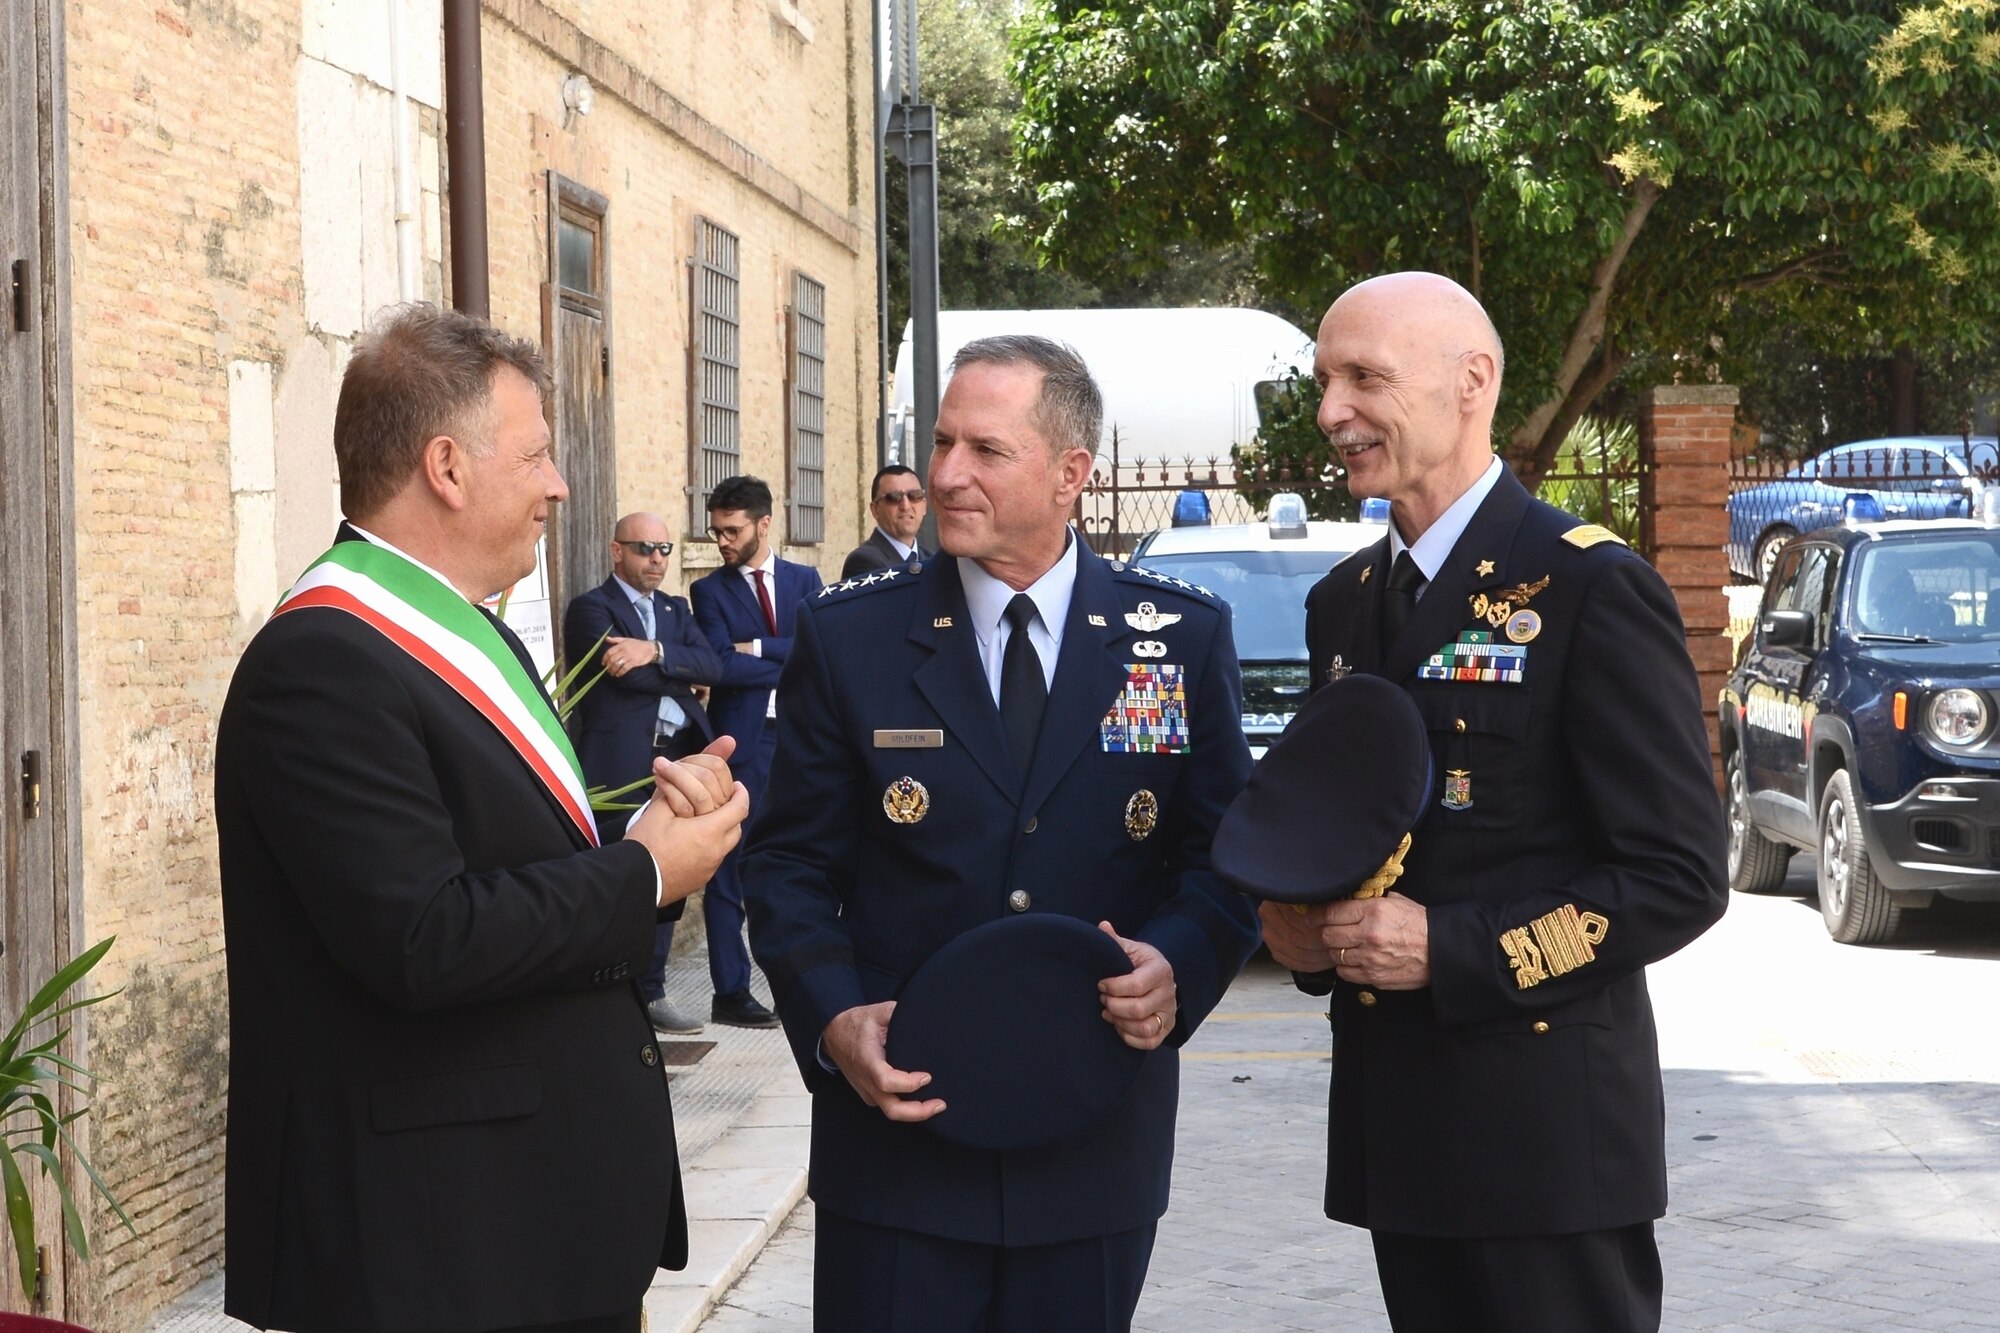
[1861, 722]
[1913, 476]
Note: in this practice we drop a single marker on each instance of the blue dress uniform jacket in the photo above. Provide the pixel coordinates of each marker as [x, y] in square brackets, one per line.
[613, 724]
[1520, 1093]
[845, 903]
[447, 1110]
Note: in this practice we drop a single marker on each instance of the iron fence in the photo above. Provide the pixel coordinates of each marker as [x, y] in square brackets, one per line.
[1129, 496]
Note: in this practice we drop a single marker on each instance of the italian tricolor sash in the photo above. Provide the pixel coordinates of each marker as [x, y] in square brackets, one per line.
[453, 639]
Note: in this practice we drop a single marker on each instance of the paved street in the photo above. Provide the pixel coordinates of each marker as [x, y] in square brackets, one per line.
[1833, 1144]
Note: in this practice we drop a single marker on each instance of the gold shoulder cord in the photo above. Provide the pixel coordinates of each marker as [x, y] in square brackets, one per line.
[1378, 883]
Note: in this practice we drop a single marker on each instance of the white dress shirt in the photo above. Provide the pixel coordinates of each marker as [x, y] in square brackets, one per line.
[1430, 550]
[986, 600]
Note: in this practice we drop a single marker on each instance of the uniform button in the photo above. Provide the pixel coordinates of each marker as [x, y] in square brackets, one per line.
[1019, 900]
[1458, 725]
[1540, 1028]
[648, 1056]
[1032, 821]
[1367, 999]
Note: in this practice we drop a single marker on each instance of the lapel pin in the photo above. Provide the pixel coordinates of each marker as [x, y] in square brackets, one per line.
[942, 622]
[1366, 570]
[1485, 568]
[1097, 621]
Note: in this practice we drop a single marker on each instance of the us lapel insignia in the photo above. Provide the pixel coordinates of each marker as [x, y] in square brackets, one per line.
[1149, 618]
[1485, 569]
[1457, 789]
[1097, 620]
[1337, 668]
[1149, 648]
[1523, 626]
[905, 801]
[1366, 570]
[1142, 813]
[942, 622]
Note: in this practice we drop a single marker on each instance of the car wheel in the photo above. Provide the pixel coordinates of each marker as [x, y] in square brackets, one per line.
[1768, 545]
[1756, 864]
[1858, 910]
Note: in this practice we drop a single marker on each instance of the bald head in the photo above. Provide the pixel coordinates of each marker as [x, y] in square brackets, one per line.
[1409, 367]
[643, 569]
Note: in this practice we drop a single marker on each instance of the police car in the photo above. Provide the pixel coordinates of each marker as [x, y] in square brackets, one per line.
[1263, 570]
[1860, 724]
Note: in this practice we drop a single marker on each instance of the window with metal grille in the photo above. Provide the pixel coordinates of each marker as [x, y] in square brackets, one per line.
[805, 402]
[714, 417]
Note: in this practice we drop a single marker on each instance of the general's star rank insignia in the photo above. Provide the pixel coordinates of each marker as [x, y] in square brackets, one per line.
[1485, 568]
[1149, 618]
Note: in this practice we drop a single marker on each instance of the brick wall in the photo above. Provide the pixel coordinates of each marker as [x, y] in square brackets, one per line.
[230, 181]
[1685, 431]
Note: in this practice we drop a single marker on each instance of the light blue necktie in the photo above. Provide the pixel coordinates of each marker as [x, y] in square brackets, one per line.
[672, 717]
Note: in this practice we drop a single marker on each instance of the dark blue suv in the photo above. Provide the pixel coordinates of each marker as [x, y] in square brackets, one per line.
[1860, 723]
[1913, 476]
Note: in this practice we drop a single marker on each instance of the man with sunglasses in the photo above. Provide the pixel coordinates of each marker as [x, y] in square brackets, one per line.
[645, 705]
[896, 499]
[746, 608]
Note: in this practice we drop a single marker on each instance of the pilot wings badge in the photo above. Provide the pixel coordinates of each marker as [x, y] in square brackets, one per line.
[1149, 618]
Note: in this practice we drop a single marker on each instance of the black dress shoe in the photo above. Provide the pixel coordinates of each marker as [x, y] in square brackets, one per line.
[741, 1010]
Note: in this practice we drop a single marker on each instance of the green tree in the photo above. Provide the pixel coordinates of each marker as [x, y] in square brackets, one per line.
[1624, 183]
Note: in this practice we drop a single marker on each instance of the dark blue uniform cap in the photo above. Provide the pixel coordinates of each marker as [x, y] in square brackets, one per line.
[1007, 1021]
[1331, 801]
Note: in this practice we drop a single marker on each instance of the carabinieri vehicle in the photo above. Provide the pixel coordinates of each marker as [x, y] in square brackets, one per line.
[1860, 722]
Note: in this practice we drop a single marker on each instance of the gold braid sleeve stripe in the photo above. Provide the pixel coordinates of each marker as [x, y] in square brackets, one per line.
[1552, 945]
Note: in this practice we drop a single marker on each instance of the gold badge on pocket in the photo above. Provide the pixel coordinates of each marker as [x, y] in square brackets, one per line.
[905, 801]
[1142, 814]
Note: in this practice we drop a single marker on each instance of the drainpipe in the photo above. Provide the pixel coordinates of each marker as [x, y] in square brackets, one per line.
[465, 155]
[408, 282]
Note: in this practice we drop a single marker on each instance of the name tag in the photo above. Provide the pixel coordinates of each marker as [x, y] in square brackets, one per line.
[909, 740]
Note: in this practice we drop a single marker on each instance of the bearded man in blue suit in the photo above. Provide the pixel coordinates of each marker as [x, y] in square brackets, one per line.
[747, 609]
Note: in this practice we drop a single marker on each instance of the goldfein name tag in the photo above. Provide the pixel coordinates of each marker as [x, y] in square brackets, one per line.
[909, 740]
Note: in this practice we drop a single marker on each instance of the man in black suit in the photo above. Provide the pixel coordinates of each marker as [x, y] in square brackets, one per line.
[447, 1112]
[646, 705]
[1496, 1112]
[1022, 727]
[896, 499]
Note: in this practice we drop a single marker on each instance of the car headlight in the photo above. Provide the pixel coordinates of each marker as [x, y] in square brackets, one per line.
[1957, 717]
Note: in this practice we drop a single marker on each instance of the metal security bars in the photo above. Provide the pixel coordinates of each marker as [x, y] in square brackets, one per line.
[806, 408]
[714, 405]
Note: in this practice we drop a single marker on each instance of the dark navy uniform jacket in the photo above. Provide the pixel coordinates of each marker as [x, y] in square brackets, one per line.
[845, 903]
[1519, 1094]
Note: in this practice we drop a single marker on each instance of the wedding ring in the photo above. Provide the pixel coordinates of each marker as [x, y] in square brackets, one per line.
[1342, 960]
[1159, 1025]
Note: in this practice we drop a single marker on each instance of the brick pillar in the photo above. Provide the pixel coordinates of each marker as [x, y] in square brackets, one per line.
[1684, 432]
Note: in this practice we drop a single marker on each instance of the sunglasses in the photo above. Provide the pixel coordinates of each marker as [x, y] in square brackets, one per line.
[649, 549]
[900, 497]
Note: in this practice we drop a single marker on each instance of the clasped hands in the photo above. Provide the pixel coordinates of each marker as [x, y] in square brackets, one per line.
[695, 815]
[1381, 942]
[1140, 1004]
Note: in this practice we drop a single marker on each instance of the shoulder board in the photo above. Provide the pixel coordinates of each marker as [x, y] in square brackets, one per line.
[885, 578]
[1589, 535]
[1126, 572]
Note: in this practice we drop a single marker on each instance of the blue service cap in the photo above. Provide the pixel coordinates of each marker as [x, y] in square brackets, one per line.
[1007, 1021]
[1329, 805]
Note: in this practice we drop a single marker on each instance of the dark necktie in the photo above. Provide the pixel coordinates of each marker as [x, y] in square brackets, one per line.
[764, 600]
[1023, 688]
[1399, 598]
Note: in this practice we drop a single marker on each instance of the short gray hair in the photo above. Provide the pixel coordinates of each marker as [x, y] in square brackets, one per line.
[1070, 411]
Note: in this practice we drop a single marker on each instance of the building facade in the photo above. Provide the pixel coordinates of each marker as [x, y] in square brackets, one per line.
[202, 204]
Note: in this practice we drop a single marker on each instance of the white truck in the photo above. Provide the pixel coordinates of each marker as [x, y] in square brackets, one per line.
[1180, 385]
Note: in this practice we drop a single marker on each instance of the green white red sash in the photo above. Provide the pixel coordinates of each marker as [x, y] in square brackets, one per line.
[453, 639]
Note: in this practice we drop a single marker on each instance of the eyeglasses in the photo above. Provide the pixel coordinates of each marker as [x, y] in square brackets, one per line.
[900, 497]
[649, 549]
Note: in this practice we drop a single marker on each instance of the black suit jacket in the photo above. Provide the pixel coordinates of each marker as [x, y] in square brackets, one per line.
[613, 724]
[1507, 1100]
[446, 1107]
[845, 904]
[875, 554]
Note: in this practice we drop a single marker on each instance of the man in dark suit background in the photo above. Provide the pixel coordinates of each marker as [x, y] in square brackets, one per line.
[646, 705]
[747, 609]
[430, 960]
[1022, 727]
[896, 499]
[1496, 1111]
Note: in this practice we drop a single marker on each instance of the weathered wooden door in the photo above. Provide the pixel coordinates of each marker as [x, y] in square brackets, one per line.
[579, 313]
[36, 675]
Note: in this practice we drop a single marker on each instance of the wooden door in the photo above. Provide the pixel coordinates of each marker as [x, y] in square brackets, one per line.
[578, 312]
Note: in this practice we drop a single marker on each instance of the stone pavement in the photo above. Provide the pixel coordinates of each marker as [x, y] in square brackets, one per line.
[1833, 1146]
